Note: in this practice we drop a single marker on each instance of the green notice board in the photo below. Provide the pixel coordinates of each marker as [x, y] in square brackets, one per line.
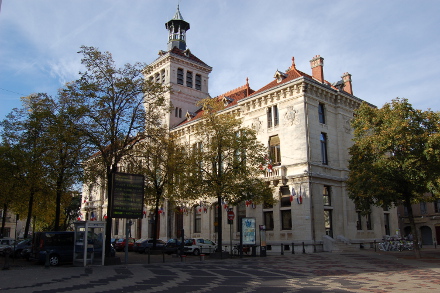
[127, 196]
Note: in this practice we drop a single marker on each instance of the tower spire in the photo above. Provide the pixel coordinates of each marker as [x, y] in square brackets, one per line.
[177, 28]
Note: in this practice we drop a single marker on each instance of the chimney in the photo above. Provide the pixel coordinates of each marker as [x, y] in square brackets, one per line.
[317, 64]
[346, 78]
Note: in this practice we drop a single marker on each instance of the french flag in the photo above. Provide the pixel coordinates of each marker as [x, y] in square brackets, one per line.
[293, 194]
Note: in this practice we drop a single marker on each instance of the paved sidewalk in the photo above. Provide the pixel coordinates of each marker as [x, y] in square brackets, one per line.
[358, 271]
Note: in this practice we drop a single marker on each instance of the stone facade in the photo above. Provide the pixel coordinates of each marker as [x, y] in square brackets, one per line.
[305, 122]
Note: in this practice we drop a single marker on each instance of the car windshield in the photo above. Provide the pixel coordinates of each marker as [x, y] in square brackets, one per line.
[189, 241]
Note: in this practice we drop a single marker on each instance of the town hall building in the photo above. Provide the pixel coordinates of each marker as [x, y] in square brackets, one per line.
[303, 119]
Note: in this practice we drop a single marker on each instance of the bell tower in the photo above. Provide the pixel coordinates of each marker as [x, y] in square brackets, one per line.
[179, 69]
[177, 28]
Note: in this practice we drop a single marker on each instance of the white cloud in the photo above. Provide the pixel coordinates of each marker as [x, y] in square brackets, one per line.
[390, 47]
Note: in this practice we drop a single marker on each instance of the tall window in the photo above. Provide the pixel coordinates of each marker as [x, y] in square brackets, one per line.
[274, 149]
[285, 196]
[178, 112]
[198, 82]
[328, 222]
[286, 219]
[423, 209]
[437, 206]
[269, 117]
[326, 196]
[369, 224]
[162, 75]
[275, 115]
[387, 223]
[321, 113]
[359, 220]
[272, 116]
[268, 220]
[189, 79]
[180, 76]
[197, 220]
[157, 77]
[323, 140]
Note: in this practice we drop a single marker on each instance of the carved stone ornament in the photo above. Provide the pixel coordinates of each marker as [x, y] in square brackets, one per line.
[347, 126]
[290, 116]
[256, 125]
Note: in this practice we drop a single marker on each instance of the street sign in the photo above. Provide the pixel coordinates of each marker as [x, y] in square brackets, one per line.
[231, 215]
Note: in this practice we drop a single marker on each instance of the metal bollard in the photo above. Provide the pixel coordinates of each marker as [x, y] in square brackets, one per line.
[6, 265]
[293, 248]
[47, 262]
[304, 248]
[149, 253]
[314, 247]
[282, 249]
[375, 246]
[163, 256]
[202, 257]
[183, 258]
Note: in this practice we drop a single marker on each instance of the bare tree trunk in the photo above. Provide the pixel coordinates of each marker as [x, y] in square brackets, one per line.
[5, 211]
[29, 214]
[407, 204]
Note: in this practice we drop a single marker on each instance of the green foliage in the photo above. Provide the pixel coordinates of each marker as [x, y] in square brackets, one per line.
[395, 156]
[117, 105]
[225, 160]
[45, 153]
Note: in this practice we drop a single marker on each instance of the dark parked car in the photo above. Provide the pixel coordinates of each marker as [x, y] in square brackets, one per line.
[59, 245]
[120, 244]
[145, 244]
[172, 246]
[22, 245]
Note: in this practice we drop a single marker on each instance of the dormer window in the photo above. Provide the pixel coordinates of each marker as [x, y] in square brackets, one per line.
[279, 76]
[190, 115]
[227, 100]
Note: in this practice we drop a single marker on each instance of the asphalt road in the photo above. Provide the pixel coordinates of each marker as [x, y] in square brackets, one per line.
[354, 271]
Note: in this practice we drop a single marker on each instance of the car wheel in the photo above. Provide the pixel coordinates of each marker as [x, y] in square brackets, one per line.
[196, 252]
[54, 260]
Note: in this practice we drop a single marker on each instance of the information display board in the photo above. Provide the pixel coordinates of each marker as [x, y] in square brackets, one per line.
[127, 196]
[248, 228]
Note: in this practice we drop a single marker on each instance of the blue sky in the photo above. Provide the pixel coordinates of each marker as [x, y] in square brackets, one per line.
[391, 48]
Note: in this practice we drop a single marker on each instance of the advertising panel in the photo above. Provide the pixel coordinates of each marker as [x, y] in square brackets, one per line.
[248, 229]
[127, 196]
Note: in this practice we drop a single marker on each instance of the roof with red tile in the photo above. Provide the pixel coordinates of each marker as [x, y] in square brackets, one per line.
[245, 91]
[186, 54]
[233, 96]
[291, 74]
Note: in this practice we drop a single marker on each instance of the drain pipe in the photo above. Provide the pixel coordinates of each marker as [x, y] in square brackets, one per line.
[308, 172]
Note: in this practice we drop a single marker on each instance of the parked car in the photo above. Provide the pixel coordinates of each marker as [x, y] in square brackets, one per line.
[59, 245]
[120, 244]
[199, 245]
[20, 246]
[172, 246]
[6, 243]
[143, 244]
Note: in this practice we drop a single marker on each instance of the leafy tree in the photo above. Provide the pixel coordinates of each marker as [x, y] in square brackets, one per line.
[225, 161]
[23, 130]
[66, 151]
[7, 182]
[394, 158]
[160, 159]
[118, 107]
